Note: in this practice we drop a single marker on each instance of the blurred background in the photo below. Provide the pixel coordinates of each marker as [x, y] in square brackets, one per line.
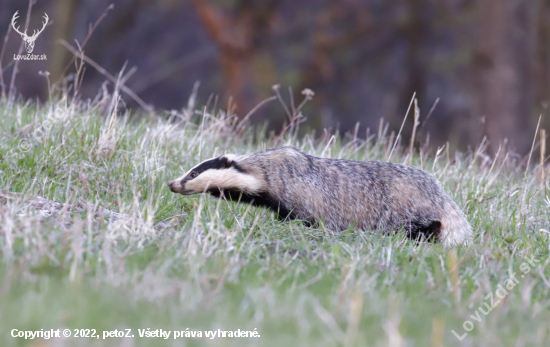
[488, 62]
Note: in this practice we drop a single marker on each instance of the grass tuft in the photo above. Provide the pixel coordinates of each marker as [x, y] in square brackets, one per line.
[176, 262]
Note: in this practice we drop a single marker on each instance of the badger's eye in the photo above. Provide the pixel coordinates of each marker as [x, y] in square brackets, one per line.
[193, 175]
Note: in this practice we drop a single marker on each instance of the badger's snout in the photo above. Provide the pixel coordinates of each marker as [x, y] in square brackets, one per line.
[171, 186]
[178, 186]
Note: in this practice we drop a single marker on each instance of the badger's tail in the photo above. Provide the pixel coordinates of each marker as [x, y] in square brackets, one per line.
[455, 229]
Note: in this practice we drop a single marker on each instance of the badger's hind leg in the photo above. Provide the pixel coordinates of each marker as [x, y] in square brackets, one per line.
[429, 231]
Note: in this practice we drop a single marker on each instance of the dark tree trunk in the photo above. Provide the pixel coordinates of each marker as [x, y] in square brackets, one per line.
[503, 67]
[65, 11]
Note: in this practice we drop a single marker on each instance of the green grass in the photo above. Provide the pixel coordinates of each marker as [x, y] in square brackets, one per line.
[224, 265]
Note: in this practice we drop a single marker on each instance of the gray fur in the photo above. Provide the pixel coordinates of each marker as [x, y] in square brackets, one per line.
[373, 195]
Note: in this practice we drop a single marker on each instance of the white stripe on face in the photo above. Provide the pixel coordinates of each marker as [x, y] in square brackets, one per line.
[229, 157]
[225, 179]
[220, 177]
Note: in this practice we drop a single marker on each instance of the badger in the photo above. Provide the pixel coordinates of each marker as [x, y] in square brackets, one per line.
[336, 193]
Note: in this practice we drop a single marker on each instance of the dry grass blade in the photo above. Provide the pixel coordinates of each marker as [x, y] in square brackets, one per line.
[111, 78]
[402, 125]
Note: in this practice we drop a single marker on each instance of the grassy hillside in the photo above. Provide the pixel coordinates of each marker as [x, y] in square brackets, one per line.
[198, 264]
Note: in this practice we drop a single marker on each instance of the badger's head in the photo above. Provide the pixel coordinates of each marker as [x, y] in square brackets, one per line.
[225, 172]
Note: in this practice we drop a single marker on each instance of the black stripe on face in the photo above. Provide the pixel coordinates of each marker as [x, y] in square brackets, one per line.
[212, 164]
[216, 164]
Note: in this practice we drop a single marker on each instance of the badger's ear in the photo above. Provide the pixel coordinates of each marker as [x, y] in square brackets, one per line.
[226, 160]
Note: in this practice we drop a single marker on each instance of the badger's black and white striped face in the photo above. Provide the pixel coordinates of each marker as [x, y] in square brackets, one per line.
[216, 174]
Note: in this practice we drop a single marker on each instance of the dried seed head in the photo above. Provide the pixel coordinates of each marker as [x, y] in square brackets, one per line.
[308, 93]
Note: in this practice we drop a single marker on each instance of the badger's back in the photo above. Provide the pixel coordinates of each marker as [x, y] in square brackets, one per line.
[371, 195]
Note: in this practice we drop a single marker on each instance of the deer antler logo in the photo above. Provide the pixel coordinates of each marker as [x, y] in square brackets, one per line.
[29, 40]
